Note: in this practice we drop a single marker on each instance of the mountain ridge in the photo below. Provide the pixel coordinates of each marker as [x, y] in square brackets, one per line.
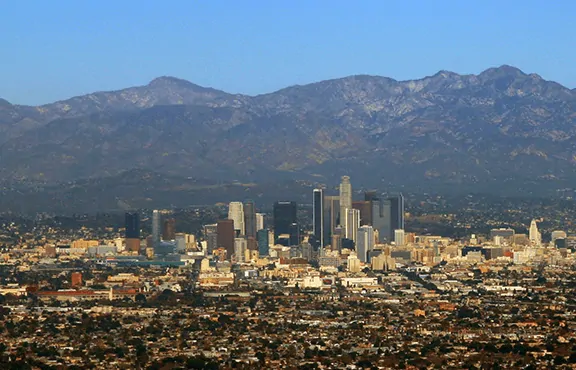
[501, 126]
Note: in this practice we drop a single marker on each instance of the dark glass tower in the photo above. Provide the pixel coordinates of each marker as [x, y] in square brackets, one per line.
[396, 213]
[132, 224]
[318, 215]
[250, 219]
[285, 214]
[225, 236]
[263, 242]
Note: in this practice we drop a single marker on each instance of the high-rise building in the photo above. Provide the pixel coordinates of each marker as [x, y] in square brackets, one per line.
[155, 228]
[557, 234]
[250, 226]
[365, 208]
[381, 215]
[365, 243]
[285, 217]
[318, 215]
[396, 212]
[132, 224]
[534, 235]
[169, 229]
[240, 248]
[263, 242]
[225, 236]
[352, 222]
[399, 237]
[331, 215]
[259, 221]
[345, 198]
[236, 214]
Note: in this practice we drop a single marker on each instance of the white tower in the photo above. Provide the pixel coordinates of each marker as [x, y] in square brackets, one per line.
[534, 234]
[352, 222]
[365, 243]
[236, 213]
[259, 221]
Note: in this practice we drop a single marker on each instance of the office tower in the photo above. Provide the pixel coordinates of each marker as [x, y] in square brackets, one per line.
[345, 198]
[132, 225]
[558, 234]
[318, 215]
[365, 242]
[251, 243]
[169, 229]
[336, 242]
[504, 234]
[236, 214]
[285, 216]
[396, 212]
[250, 227]
[294, 234]
[534, 235]
[155, 228]
[399, 237]
[352, 222]
[226, 234]
[259, 221]
[381, 220]
[365, 208]
[331, 214]
[263, 242]
[240, 248]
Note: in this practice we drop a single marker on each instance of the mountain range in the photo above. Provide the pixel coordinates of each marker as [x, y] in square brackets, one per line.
[500, 129]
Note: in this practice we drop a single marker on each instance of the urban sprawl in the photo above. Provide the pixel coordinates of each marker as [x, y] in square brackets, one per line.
[354, 288]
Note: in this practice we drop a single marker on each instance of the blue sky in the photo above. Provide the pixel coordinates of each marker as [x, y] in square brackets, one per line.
[51, 50]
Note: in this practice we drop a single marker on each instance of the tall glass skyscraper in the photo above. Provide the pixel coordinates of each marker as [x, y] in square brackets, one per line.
[263, 242]
[345, 198]
[285, 220]
[318, 215]
[132, 225]
[250, 219]
[155, 228]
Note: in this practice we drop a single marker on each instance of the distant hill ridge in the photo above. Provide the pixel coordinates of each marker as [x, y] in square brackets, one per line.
[502, 126]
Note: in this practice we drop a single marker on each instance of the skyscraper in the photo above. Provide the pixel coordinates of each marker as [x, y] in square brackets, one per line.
[225, 236]
[318, 215]
[259, 221]
[352, 224]
[399, 237]
[132, 225]
[250, 219]
[381, 220]
[169, 229]
[345, 198]
[240, 247]
[365, 243]
[365, 208]
[263, 242]
[155, 228]
[397, 212]
[236, 214]
[331, 215]
[285, 217]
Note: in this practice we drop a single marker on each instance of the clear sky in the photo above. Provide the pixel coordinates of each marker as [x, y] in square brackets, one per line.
[51, 50]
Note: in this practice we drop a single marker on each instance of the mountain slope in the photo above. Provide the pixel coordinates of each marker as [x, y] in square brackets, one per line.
[499, 127]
